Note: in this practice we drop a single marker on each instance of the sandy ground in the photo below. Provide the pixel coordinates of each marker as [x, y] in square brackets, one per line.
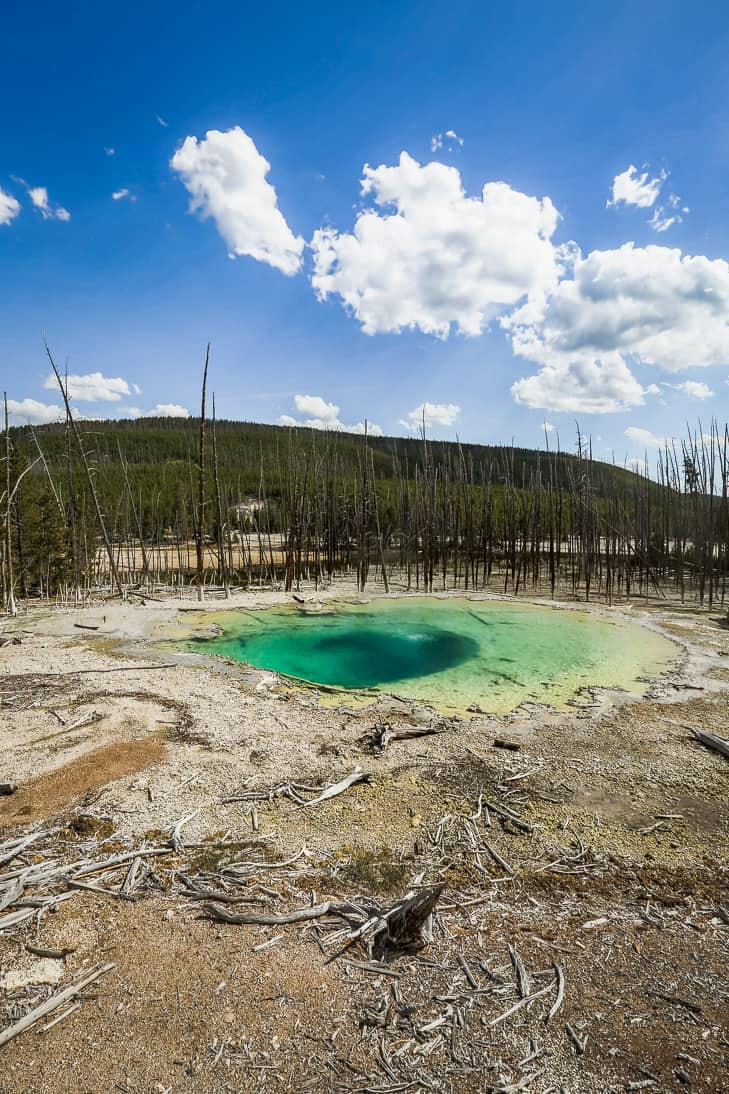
[108, 728]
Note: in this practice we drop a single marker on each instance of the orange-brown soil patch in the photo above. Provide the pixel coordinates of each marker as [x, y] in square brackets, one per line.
[51, 792]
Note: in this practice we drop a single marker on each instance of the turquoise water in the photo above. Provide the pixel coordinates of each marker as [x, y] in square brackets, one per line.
[453, 653]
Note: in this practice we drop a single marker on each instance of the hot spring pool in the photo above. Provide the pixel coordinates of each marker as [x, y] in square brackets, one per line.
[453, 653]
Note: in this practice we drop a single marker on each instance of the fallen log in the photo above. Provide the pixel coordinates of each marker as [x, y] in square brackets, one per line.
[710, 740]
[261, 919]
[357, 776]
[381, 737]
[511, 746]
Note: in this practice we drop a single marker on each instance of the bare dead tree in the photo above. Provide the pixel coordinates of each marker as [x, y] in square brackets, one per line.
[219, 513]
[200, 539]
[87, 471]
[10, 605]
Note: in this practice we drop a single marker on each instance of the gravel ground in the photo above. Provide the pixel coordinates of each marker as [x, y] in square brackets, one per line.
[619, 776]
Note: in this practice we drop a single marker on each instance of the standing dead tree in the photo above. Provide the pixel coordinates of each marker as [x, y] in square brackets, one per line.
[87, 472]
[10, 605]
[200, 538]
[222, 564]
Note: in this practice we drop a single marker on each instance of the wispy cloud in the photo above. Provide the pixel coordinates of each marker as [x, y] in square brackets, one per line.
[39, 197]
[448, 140]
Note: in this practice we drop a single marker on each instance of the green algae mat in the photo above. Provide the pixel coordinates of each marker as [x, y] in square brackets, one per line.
[453, 653]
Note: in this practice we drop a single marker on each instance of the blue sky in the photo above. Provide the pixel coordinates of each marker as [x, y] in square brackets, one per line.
[499, 309]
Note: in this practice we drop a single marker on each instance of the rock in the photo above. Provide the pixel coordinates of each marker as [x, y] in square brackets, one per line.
[45, 971]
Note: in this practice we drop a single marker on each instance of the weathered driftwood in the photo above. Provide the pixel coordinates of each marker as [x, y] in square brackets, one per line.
[508, 815]
[54, 1002]
[357, 776]
[710, 740]
[523, 1002]
[560, 993]
[16, 847]
[97, 889]
[261, 919]
[580, 1043]
[60, 1017]
[402, 927]
[523, 984]
[175, 840]
[384, 734]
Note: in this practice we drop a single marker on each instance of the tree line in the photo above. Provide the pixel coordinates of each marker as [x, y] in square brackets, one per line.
[129, 505]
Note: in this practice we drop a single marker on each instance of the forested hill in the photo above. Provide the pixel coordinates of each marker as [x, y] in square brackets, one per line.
[245, 447]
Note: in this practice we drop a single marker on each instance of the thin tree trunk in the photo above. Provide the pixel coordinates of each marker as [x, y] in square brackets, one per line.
[10, 605]
[200, 539]
[89, 476]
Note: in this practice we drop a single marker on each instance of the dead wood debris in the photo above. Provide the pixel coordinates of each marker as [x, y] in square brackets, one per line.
[380, 736]
[294, 791]
[433, 1004]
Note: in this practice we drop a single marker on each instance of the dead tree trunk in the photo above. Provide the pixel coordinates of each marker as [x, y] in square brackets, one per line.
[222, 563]
[10, 605]
[89, 476]
[200, 539]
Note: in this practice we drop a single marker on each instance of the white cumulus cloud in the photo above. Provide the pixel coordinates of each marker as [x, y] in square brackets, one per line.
[632, 187]
[650, 305]
[225, 175]
[317, 413]
[30, 410]
[39, 196]
[9, 207]
[429, 257]
[430, 414]
[119, 195]
[92, 387]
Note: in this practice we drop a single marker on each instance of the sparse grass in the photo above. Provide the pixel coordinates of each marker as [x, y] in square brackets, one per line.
[376, 871]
